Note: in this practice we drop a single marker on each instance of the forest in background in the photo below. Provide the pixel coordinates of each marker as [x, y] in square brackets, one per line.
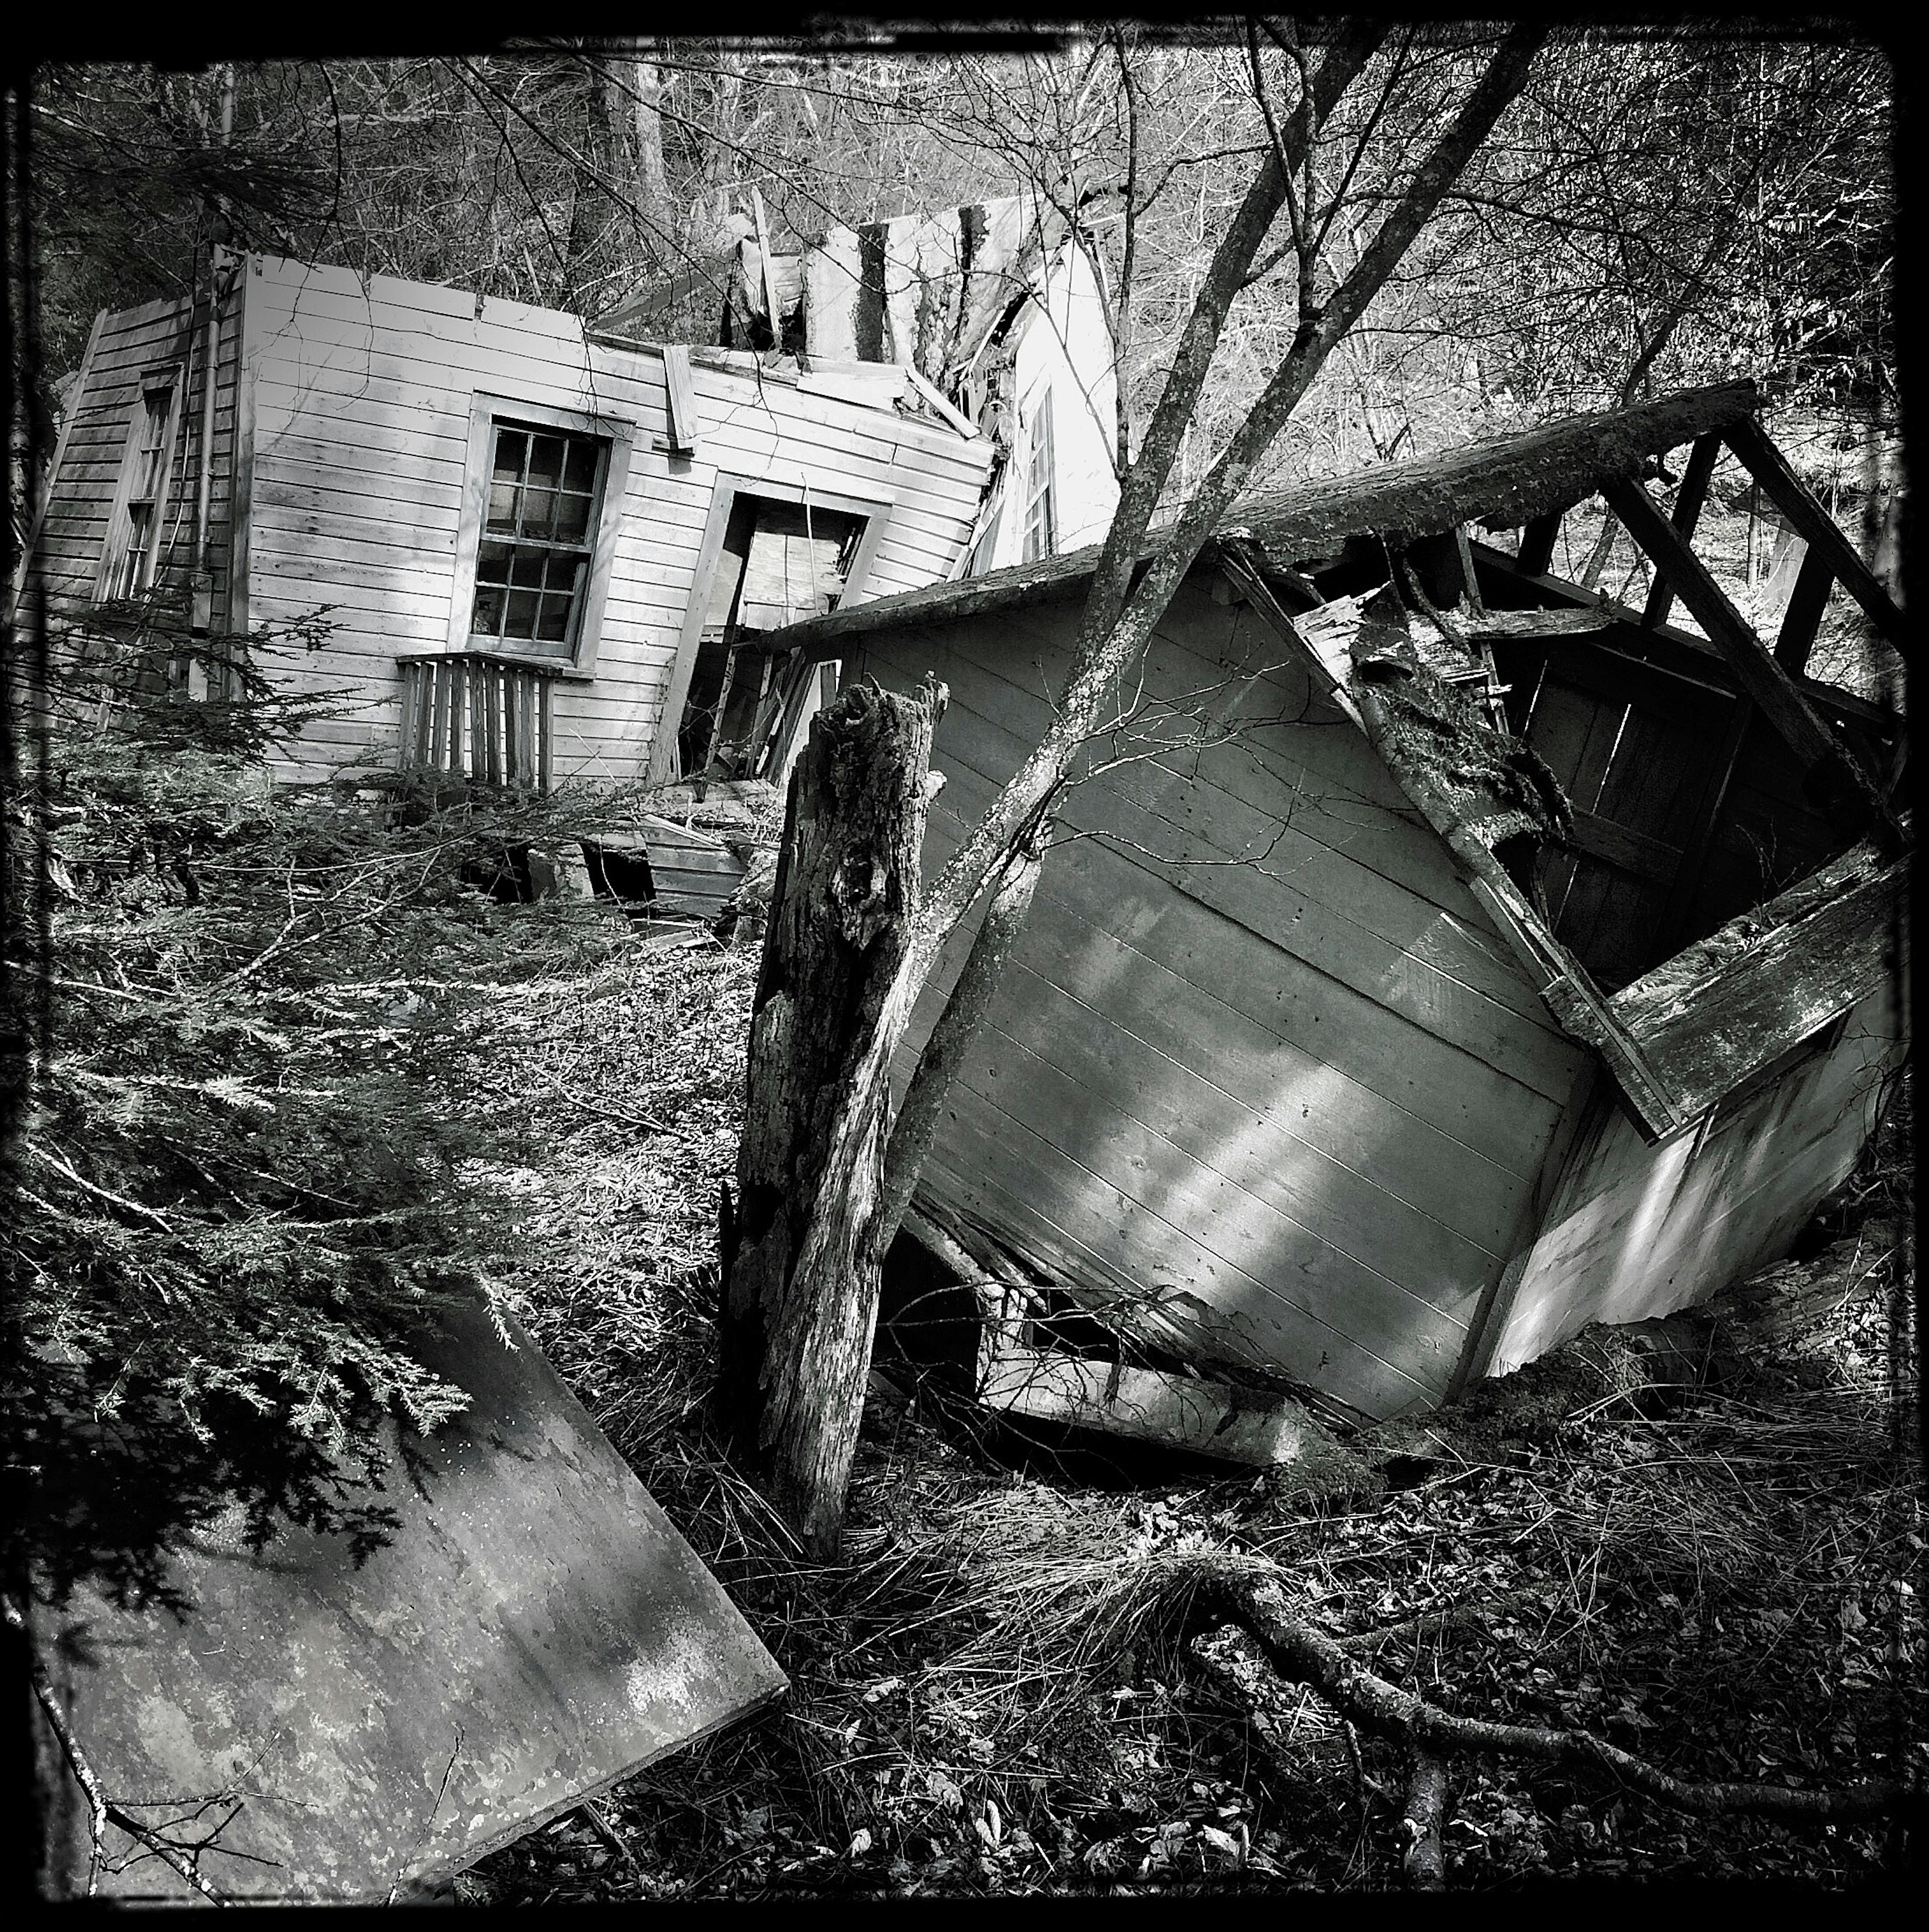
[1654, 211]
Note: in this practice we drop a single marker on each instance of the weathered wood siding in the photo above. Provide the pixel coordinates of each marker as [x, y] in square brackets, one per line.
[1259, 1055]
[72, 532]
[1634, 1230]
[362, 397]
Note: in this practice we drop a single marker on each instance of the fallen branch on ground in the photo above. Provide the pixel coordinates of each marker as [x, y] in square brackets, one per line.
[1240, 1590]
[1425, 1811]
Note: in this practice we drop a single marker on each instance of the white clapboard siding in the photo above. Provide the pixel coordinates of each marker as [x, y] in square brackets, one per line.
[73, 529]
[360, 396]
[1259, 1063]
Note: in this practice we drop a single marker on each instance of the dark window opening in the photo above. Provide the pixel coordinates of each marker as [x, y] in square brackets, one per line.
[780, 563]
[129, 565]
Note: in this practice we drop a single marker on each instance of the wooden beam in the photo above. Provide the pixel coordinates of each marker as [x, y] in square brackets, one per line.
[1803, 617]
[1770, 468]
[1537, 544]
[1760, 676]
[1615, 844]
[1474, 600]
[961, 423]
[1688, 500]
[1736, 1001]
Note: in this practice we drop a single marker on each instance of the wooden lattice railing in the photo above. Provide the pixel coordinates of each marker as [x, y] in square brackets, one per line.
[477, 718]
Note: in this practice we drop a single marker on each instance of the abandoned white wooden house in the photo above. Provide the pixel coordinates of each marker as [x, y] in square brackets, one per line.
[549, 552]
[1354, 1047]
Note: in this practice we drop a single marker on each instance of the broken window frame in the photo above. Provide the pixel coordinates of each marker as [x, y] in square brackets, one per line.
[617, 435]
[131, 552]
[532, 563]
[789, 686]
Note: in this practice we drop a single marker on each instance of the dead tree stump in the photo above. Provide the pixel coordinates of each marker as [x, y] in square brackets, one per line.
[802, 1244]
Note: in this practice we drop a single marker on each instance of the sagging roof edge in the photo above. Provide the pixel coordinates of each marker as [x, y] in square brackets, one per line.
[746, 363]
[1508, 480]
[1699, 1025]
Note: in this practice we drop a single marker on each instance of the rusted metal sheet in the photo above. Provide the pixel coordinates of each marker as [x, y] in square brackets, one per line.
[534, 1631]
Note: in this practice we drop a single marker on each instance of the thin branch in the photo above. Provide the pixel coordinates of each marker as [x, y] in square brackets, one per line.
[102, 1810]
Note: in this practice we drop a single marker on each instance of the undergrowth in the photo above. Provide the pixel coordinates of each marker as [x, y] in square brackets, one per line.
[996, 1692]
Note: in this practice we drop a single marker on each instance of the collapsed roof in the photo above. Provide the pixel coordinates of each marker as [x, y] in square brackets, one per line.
[1774, 994]
[1499, 482]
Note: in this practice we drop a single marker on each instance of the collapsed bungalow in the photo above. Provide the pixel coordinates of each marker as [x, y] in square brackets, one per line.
[537, 546]
[1440, 956]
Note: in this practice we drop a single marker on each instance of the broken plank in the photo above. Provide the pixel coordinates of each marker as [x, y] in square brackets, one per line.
[682, 397]
[1509, 624]
[1247, 573]
[1803, 617]
[1190, 1412]
[1734, 1003]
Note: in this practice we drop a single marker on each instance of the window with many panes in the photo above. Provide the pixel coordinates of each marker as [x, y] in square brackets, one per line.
[127, 568]
[1040, 523]
[534, 557]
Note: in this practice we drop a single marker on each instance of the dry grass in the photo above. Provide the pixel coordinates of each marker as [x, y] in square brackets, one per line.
[990, 1694]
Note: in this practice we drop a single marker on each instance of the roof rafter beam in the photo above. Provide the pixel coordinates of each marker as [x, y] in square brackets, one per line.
[1771, 469]
[1763, 681]
[1688, 500]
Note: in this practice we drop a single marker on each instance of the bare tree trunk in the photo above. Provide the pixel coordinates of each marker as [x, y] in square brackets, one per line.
[957, 1026]
[804, 1244]
[804, 1302]
[652, 189]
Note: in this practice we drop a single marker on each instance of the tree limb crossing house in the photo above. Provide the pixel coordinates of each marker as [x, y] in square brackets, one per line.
[1354, 1046]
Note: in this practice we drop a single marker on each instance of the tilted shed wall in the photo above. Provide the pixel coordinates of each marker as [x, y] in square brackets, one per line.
[1259, 1055]
[1634, 1230]
[360, 397]
[86, 473]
